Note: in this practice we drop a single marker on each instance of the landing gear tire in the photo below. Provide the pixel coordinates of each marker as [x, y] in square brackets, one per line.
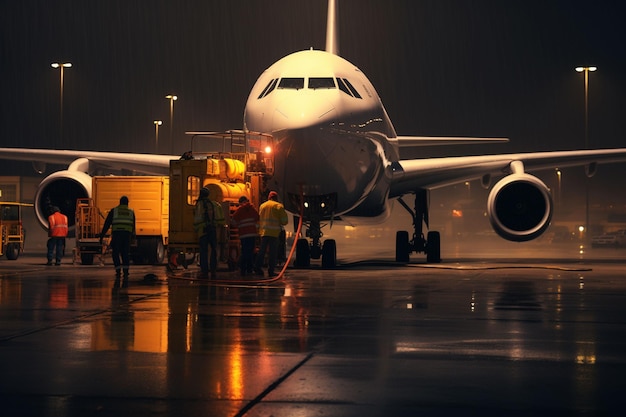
[303, 254]
[329, 254]
[402, 246]
[433, 247]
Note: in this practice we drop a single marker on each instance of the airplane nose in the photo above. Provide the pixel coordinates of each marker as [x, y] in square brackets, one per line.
[302, 110]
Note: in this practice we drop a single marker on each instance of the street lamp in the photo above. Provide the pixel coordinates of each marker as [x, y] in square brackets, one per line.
[157, 123]
[62, 66]
[172, 98]
[586, 70]
[559, 175]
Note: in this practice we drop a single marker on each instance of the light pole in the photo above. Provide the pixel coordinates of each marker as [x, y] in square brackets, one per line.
[157, 123]
[559, 175]
[62, 67]
[586, 70]
[172, 98]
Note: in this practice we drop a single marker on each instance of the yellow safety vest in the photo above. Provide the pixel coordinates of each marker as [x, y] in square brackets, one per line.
[272, 216]
[123, 219]
[207, 213]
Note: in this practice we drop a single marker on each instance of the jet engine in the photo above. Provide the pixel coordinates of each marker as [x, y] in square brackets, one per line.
[61, 189]
[519, 207]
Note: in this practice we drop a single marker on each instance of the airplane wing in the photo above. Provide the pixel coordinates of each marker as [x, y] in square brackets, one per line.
[418, 141]
[431, 173]
[149, 164]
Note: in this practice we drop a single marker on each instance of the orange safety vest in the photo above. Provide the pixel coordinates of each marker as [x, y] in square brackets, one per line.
[58, 226]
[246, 217]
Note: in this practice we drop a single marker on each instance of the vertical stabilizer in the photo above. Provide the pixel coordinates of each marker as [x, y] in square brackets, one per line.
[332, 33]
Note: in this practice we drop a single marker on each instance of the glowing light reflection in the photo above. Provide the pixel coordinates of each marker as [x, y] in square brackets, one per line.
[236, 368]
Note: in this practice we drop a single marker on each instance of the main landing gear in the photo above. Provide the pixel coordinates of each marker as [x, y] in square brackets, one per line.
[431, 246]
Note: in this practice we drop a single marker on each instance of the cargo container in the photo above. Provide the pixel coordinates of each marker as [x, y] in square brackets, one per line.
[148, 197]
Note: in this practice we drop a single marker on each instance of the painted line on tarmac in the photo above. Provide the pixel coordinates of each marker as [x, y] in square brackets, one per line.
[256, 400]
[488, 267]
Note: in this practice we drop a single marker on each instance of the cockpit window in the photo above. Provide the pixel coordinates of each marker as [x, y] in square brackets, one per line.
[343, 87]
[291, 83]
[315, 83]
[346, 87]
[268, 88]
[352, 89]
[321, 82]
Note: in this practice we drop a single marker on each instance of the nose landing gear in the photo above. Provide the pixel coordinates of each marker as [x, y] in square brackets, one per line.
[315, 208]
[305, 252]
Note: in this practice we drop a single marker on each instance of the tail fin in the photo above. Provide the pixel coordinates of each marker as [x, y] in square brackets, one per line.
[332, 32]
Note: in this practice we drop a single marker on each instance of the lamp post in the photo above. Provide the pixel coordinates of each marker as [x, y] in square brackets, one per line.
[586, 71]
[61, 67]
[157, 123]
[172, 98]
[559, 175]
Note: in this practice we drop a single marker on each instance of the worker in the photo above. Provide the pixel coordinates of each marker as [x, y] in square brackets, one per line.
[208, 217]
[246, 218]
[272, 218]
[121, 220]
[57, 232]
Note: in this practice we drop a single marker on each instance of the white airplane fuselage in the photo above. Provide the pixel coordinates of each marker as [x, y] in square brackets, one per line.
[331, 135]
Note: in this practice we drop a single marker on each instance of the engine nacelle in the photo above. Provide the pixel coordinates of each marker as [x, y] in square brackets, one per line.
[61, 189]
[520, 207]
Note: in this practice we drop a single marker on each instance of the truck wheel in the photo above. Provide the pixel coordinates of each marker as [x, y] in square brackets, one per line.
[86, 258]
[13, 251]
[149, 251]
[158, 252]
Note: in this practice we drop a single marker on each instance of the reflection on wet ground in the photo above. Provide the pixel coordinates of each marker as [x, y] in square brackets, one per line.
[368, 338]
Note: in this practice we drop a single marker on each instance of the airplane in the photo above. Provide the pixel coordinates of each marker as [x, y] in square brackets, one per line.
[338, 157]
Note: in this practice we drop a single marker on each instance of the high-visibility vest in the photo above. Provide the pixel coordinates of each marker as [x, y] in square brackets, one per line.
[123, 219]
[272, 216]
[57, 225]
[207, 213]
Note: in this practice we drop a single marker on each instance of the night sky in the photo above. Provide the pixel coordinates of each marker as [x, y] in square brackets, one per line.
[441, 67]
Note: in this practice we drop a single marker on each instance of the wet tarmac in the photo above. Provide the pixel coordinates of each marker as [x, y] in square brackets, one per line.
[505, 336]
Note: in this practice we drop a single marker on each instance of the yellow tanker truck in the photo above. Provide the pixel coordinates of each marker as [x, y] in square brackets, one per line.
[243, 170]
